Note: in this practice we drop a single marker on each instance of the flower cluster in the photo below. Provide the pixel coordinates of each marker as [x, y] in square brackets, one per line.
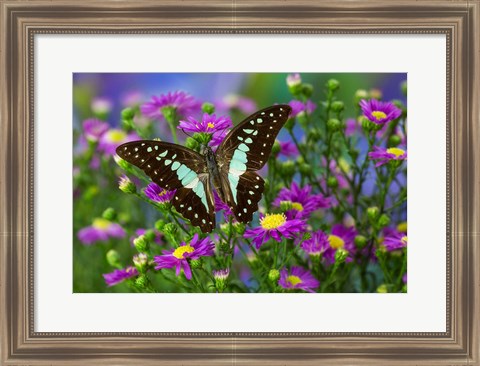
[331, 217]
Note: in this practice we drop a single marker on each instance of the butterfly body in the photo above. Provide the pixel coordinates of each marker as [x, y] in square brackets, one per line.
[230, 170]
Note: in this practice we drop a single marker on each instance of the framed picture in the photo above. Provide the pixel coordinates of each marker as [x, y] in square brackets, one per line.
[227, 182]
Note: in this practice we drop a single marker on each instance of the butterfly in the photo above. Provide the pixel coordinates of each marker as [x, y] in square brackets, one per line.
[230, 169]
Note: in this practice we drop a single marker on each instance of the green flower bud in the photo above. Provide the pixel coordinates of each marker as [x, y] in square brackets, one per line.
[239, 227]
[333, 84]
[128, 113]
[109, 214]
[307, 90]
[288, 168]
[372, 213]
[141, 244]
[383, 220]
[334, 125]
[208, 108]
[224, 246]
[332, 182]
[276, 148]
[192, 143]
[140, 260]
[274, 275]
[294, 83]
[122, 163]
[360, 241]
[170, 229]
[403, 86]
[221, 278]
[285, 205]
[169, 113]
[159, 225]
[126, 185]
[150, 235]
[202, 138]
[398, 103]
[305, 169]
[142, 281]
[338, 106]
[394, 140]
[113, 258]
[375, 93]
[314, 135]
[382, 289]
[341, 255]
[361, 94]
[196, 263]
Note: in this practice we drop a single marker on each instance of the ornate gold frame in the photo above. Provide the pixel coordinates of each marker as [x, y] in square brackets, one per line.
[20, 21]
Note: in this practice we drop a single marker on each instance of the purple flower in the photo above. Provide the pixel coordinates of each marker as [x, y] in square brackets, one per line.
[379, 112]
[404, 278]
[101, 105]
[293, 80]
[299, 108]
[395, 240]
[274, 226]
[158, 194]
[182, 102]
[351, 127]
[93, 129]
[100, 230]
[341, 237]
[220, 205]
[235, 101]
[298, 279]
[179, 257]
[114, 137]
[384, 156]
[217, 127]
[318, 244]
[119, 275]
[288, 149]
[302, 201]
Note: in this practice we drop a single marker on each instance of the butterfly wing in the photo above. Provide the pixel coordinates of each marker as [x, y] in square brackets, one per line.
[172, 166]
[247, 149]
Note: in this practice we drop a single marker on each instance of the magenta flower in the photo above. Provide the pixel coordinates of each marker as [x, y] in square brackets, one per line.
[93, 129]
[300, 108]
[180, 256]
[288, 149]
[274, 226]
[100, 230]
[119, 275]
[394, 240]
[114, 137]
[303, 203]
[341, 237]
[101, 105]
[217, 127]
[350, 127]
[298, 279]
[235, 101]
[182, 102]
[379, 112]
[384, 156]
[318, 244]
[158, 194]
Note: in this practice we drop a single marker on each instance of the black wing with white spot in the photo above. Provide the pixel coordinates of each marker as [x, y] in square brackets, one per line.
[247, 149]
[172, 166]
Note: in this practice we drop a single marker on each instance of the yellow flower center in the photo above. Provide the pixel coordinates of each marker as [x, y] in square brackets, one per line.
[402, 227]
[404, 240]
[379, 115]
[294, 280]
[273, 221]
[101, 223]
[210, 125]
[336, 242]
[162, 193]
[396, 151]
[180, 251]
[116, 135]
